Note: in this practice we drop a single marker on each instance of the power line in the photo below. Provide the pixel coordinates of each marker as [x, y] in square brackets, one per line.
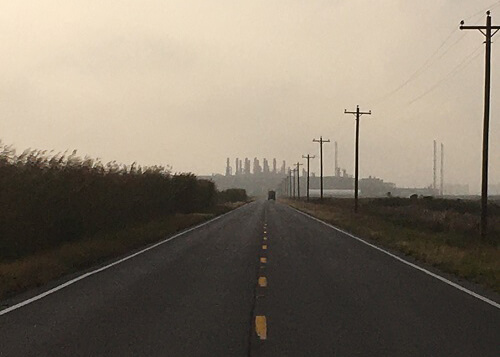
[450, 47]
[480, 12]
[419, 70]
[462, 65]
[431, 59]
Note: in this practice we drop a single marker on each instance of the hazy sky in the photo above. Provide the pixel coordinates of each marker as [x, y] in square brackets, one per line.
[188, 83]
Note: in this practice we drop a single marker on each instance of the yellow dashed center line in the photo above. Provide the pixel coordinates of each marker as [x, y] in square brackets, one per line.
[261, 327]
[260, 320]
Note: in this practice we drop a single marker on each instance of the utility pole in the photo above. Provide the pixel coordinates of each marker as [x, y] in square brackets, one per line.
[321, 141]
[441, 183]
[298, 179]
[308, 157]
[434, 168]
[358, 114]
[487, 32]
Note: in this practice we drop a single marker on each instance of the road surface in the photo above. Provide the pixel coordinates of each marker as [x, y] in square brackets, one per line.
[264, 280]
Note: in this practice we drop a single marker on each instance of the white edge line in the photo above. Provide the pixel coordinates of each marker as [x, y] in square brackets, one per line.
[86, 275]
[444, 280]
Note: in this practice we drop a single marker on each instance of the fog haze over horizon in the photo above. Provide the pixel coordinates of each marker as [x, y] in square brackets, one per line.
[190, 83]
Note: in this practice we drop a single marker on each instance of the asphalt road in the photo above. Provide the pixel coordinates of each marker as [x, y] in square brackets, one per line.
[263, 280]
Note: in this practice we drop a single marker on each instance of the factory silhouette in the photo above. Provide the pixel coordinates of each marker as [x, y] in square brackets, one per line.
[257, 179]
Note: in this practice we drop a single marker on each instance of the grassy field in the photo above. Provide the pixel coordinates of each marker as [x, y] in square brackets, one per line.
[441, 233]
[39, 268]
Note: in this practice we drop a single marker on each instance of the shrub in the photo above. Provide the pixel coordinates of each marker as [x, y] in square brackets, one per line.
[233, 195]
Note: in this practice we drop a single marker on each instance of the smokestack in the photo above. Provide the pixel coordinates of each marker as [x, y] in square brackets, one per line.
[228, 168]
[336, 160]
[247, 166]
[265, 166]
[240, 166]
[274, 166]
[441, 189]
[257, 169]
[236, 170]
[434, 168]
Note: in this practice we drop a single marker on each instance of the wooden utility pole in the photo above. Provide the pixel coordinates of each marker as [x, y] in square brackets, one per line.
[298, 164]
[487, 32]
[441, 181]
[434, 168]
[358, 114]
[321, 141]
[308, 157]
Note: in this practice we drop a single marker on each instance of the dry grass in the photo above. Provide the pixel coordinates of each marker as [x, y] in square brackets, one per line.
[47, 199]
[40, 268]
[446, 239]
[60, 213]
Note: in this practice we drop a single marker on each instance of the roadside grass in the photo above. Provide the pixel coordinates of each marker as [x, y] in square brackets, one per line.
[442, 234]
[42, 267]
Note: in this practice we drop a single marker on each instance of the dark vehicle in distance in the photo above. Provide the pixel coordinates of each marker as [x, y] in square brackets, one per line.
[271, 195]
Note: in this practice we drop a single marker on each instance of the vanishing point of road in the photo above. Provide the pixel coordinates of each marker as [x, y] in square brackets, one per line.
[263, 280]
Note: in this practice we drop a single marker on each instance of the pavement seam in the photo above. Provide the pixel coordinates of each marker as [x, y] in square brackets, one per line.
[436, 276]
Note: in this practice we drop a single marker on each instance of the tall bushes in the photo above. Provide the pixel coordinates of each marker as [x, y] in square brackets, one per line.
[46, 200]
[233, 195]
